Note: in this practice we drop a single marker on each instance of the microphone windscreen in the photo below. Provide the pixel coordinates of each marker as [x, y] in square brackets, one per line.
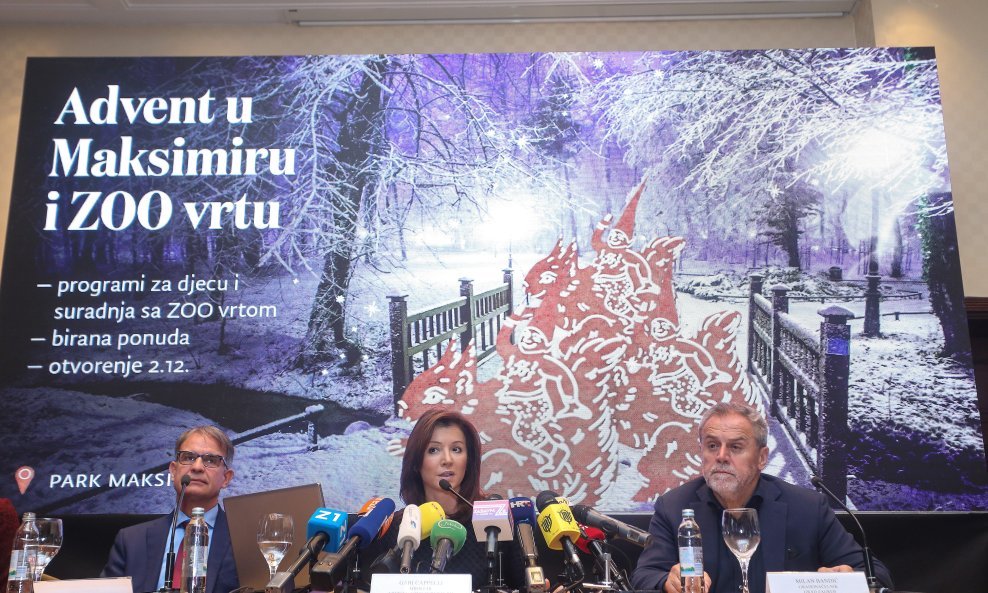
[186, 480]
[368, 526]
[332, 523]
[580, 511]
[522, 510]
[449, 529]
[589, 534]
[410, 529]
[544, 499]
[368, 506]
[445, 485]
[431, 512]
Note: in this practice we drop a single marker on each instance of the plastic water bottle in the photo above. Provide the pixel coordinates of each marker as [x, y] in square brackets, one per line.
[690, 554]
[195, 549]
[23, 557]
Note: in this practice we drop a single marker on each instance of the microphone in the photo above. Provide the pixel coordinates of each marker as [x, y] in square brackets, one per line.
[523, 514]
[170, 558]
[559, 530]
[447, 539]
[445, 485]
[492, 522]
[391, 561]
[325, 574]
[612, 527]
[325, 530]
[592, 541]
[368, 506]
[399, 558]
[409, 536]
[431, 513]
[873, 584]
[493, 518]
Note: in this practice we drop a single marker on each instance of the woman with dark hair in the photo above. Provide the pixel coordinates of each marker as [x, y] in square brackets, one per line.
[444, 445]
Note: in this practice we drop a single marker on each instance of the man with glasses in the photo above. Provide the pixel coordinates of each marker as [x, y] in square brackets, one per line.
[205, 454]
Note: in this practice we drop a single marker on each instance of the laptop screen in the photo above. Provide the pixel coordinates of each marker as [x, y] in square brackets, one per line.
[244, 513]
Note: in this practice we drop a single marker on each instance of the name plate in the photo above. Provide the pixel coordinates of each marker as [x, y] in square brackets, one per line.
[421, 583]
[816, 582]
[111, 585]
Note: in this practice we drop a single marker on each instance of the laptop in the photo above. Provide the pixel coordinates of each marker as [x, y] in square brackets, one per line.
[244, 513]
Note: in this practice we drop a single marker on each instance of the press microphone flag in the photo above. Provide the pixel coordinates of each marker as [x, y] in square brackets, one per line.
[492, 514]
[556, 520]
[447, 539]
[560, 530]
[330, 522]
[610, 526]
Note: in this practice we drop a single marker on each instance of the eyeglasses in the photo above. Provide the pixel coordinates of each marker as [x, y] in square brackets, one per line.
[208, 459]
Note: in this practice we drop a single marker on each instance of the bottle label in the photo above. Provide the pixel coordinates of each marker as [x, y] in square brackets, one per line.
[20, 565]
[690, 562]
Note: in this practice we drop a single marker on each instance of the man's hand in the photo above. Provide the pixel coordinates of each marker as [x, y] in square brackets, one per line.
[839, 568]
[674, 583]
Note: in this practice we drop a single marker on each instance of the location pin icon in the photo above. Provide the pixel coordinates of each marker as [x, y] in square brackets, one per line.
[24, 475]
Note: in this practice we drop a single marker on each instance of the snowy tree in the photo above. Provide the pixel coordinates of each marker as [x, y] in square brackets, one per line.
[726, 126]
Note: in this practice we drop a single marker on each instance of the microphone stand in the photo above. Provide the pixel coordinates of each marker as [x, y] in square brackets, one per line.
[873, 584]
[608, 568]
[166, 587]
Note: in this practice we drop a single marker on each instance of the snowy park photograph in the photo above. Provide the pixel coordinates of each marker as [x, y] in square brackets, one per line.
[581, 252]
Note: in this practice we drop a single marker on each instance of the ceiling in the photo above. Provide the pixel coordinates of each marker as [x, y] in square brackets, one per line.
[351, 12]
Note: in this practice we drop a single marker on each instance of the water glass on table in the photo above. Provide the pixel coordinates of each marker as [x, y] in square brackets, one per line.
[274, 537]
[49, 542]
[742, 536]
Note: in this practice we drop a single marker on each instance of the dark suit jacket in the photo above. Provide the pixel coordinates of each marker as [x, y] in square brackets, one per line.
[139, 549]
[799, 533]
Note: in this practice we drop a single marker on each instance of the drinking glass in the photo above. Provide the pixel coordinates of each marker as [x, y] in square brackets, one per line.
[742, 536]
[274, 537]
[49, 542]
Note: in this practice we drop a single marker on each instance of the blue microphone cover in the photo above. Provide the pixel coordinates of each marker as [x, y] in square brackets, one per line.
[332, 523]
[522, 510]
[368, 526]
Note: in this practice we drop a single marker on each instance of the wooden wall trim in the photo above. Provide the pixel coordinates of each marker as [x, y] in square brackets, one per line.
[977, 307]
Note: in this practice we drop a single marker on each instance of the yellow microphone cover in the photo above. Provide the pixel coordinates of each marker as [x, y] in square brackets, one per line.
[556, 521]
[432, 512]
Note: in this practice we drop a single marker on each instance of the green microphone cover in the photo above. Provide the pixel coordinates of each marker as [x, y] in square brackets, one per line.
[451, 530]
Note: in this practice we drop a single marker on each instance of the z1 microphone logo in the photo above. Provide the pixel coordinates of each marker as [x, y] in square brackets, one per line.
[566, 516]
[546, 524]
[24, 475]
[323, 515]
